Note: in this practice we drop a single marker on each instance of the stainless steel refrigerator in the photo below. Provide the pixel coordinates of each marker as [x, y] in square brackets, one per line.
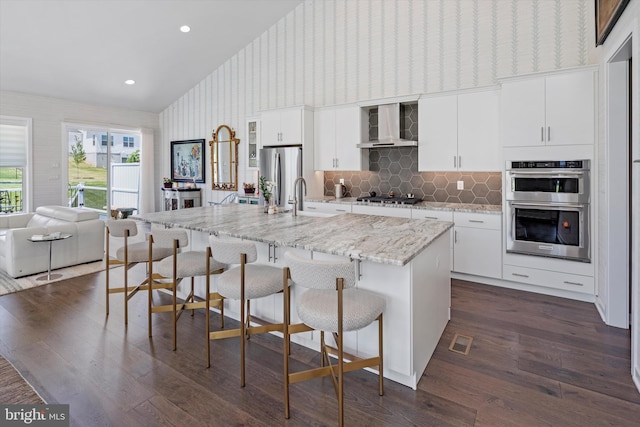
[282, 165]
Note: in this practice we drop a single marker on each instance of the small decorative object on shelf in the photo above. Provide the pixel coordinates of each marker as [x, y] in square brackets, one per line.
[167, 182]
[249, 188]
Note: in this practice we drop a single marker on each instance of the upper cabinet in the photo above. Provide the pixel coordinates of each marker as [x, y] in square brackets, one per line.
[285, 126]
[253, 142]
[459, 132]
[557, 109]
[336, 135]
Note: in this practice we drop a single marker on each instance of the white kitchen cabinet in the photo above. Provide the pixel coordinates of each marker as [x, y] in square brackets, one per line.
[330, 208]
[336, 135]
[556, 109]
[550, 279]
[436, 215]
[253, 142]
[459, 132]
[477, 244]
[398, 212]
[285, 126]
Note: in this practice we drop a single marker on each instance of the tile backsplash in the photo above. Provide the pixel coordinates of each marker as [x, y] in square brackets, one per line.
[396, 169]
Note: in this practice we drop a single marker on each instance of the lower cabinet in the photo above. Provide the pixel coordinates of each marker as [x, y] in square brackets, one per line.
[477, 242]
[550, 279]
[436, 215]
[382, 210]
[331, 208]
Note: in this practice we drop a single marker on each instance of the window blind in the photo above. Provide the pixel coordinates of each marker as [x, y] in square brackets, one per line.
[13, 142]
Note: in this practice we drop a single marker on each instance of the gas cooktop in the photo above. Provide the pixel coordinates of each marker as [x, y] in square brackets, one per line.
[393, 200]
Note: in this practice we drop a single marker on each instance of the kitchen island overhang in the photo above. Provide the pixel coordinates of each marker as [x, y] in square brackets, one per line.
[405, 260]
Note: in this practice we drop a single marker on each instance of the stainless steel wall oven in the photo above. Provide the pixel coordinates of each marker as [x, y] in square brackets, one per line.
[548, 208]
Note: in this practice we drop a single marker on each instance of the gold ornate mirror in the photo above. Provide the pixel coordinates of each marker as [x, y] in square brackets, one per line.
[224, 159]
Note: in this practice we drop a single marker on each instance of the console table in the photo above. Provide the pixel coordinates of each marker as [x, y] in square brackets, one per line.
[181, 198]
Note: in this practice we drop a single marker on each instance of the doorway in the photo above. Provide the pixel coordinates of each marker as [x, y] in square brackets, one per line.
[103, 168]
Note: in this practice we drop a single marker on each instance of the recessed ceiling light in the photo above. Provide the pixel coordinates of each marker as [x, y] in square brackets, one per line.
[129, 82]
[185, 28]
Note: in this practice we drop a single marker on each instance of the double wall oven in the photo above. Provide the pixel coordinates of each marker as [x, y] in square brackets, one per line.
[548, 208]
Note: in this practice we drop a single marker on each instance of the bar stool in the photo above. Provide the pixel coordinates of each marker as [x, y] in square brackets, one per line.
[244, 282]
[176, 267]
[331, 304]
[128, 255]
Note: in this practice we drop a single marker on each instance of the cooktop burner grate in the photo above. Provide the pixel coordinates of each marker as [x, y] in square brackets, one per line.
[392, 200]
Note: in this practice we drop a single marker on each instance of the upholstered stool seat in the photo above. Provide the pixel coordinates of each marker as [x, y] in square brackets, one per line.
[317, 308]
[264, 280]
[128, 255]
[176, 267]
[244, 282]
[331, 303]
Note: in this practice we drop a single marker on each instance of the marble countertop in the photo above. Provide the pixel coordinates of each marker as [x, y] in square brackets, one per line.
[438, 206]
[380, 239]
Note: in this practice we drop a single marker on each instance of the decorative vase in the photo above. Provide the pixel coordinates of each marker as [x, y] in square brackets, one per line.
[266, 205]
[167, 185]
[249, 191]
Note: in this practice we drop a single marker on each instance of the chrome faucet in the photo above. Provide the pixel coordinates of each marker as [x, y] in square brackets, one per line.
[294, 201]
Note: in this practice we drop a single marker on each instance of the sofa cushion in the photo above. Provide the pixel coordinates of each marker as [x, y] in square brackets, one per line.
[67, 214]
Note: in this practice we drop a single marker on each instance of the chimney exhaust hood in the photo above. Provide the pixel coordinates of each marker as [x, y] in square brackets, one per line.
[388, 129]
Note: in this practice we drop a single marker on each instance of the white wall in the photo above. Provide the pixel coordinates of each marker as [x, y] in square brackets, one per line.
[342, 51]
[48, 149]
[628, 25]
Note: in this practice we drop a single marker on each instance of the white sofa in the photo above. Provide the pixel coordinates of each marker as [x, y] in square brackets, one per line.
[21, 257]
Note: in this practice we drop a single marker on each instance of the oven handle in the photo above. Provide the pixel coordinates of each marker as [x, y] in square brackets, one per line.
[547, 173]
[549, 205]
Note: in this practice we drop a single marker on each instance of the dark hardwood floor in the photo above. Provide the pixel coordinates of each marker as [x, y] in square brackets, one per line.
[535, 361]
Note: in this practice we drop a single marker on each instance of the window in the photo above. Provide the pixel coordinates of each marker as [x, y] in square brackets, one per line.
[104, 140]
[127, 141]
[15, 134]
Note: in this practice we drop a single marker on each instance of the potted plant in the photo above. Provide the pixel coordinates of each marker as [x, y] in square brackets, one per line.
[249, 188]
[266, 188]
[167, 182]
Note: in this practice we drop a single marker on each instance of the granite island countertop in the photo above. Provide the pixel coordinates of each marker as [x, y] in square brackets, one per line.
[380, 239]
[437, 206]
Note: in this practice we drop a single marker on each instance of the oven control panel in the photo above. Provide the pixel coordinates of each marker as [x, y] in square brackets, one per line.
[551, 164]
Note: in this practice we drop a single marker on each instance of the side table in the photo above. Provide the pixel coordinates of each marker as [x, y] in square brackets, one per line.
[49, 238]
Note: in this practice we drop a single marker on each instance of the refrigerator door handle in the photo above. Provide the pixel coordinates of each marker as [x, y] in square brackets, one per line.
[278, 180]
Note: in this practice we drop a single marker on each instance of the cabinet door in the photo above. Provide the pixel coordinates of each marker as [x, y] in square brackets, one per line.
[479, 131]
[271, 128]
[324, 130]
[438, 133]
[347, 127]
[477, 251]
[570, 110]
[522, 113]
[291, 127]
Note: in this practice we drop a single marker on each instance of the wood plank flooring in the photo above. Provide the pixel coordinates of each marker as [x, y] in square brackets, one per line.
[535, 361]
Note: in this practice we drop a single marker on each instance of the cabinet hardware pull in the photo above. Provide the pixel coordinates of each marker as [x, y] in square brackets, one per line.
[455, 236]
[548, 133]
[311, 207]
[573, 283]
[541, 133]
[459, 161]
[431, 217]
[476, 220]
[454, 162]
[340, 210]
[519, 275]
[636, 161]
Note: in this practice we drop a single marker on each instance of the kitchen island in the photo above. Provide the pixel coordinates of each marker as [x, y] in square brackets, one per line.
[405, 260]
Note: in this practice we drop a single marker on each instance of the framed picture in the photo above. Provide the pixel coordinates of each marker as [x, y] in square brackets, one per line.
[607, 13]
[187, 160]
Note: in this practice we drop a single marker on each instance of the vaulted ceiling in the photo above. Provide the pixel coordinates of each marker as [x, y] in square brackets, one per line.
[84, 50]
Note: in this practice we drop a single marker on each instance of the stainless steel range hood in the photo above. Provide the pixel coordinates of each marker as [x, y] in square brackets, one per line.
[388, 129]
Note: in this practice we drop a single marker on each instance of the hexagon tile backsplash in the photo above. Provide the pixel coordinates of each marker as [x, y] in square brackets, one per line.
[396, 169]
